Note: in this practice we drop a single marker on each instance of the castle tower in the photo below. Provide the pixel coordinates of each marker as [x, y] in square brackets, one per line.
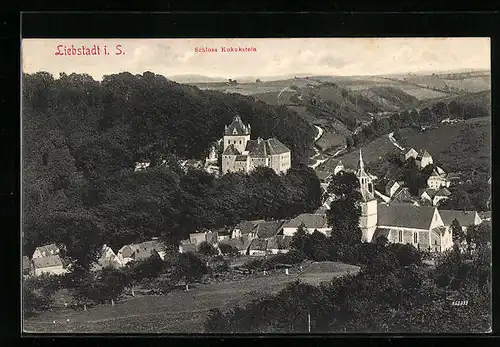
[237, 134]
[368, 219]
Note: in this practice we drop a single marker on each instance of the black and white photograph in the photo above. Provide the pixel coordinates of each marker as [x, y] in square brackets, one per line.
[265, 186]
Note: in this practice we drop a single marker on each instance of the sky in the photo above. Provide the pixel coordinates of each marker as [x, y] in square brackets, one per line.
[273, 57]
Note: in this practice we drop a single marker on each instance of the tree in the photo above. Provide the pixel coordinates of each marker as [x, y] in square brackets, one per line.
[103, 286]
[457, 232]
[37, 293]
[299, 239]
[188, 267]
[207, 249]
[227, 249]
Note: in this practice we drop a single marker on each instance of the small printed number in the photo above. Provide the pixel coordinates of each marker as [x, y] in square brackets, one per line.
[460, 303]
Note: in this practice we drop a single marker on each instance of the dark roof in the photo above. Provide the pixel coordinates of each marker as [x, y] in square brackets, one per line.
[188, 247]
[256, 148]
[279, 242]
[26, 262]
[431, 192]
[310, 220]
[146, 249]
[465, 218]
[274, 146]
[247, 226]
[268, 229]
[323, 175]
[241, 158]
[443, 192]
[405, 216]
[49, 261]
[231, 150]
[258, 245]
[240, 243]
[237, 127]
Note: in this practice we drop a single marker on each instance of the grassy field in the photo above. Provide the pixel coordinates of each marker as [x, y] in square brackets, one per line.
[178, 311]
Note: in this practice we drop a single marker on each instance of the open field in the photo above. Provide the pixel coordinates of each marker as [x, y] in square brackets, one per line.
[178, 311]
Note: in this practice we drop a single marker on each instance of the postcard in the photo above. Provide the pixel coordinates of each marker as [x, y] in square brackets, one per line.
[208, 186]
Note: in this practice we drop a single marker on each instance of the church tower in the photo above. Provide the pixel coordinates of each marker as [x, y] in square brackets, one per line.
[368, 219]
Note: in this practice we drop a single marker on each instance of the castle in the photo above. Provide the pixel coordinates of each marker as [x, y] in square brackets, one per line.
[242, 154]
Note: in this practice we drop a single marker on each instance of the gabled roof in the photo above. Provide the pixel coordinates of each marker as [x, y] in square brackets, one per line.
[435, 174]
[231, 150]
[411, 150]
[146, 249]
[237, 128]
[240, 243]
[402, 194]
[443, 192]
[247, 226]
[258, 245]
[265, 230]
[440, 230]
[390, 184]
[323, 175]
[405, 216]
[465, 218]
[274, 146]
[279, 242]
[423, 153]
[310, 220]
[49, 261]
[48, 248]
[257, 148]
[429, 191]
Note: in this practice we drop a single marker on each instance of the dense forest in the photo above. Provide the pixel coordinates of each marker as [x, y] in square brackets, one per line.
[81, 139]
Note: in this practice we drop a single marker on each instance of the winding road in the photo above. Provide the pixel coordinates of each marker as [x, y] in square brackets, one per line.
[318, 153]
[394, 142]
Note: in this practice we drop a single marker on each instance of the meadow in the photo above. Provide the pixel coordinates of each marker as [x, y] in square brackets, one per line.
[178, 311]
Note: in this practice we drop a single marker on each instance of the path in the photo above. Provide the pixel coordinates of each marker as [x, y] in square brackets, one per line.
[394, 142]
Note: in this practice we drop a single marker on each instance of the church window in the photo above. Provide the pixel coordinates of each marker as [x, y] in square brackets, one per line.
[240, 142]
[415, 237]
[400, 236]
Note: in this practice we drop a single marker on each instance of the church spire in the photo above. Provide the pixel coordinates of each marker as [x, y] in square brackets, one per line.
[361, 164]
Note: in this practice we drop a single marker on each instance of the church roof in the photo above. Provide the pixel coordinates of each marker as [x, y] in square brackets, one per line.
[274, 146]
[237, 128]
[465, 218]
[405, 216]
[231, 150]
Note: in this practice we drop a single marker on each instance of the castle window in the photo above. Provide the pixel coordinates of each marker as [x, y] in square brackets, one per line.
[240, 142]
[400, 236]
[415, 237]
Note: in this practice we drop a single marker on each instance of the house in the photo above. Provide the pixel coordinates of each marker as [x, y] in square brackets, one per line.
[391, 187]
[26, 265]
[420, 226]
[423, 159]
[441, 194]
[245, 228]
[268, 229]
[50, 264]
[402, 195]
[186, 246]
[310, 221]
[339, 167]
[411, 153]
[240, 243]
[436, 181]
[207, 236]
[141, 251]
[107, 258]
[441, 172]
[143, 165]
[258, 247]
[279, 244]
[223, 234]
[464, 218]
[45, 251]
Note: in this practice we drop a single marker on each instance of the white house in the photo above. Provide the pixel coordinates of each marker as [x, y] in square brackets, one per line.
[423, 159]
[310, 221]
[51, 264]
[279, 244]
[246, 228]
[436, 181]
[411, 153]
[258, 247]
[107, 258]
[391, 187]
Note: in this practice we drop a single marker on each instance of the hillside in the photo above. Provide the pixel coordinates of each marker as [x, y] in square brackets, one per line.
[480, 100]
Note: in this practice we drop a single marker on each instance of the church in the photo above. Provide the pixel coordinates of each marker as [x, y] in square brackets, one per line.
[420, 226]
[241, 154]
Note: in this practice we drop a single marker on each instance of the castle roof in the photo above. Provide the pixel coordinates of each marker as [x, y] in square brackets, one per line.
[257, 148]
[405, 216]
[237, 128]
[274, 146]
[231, 150]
